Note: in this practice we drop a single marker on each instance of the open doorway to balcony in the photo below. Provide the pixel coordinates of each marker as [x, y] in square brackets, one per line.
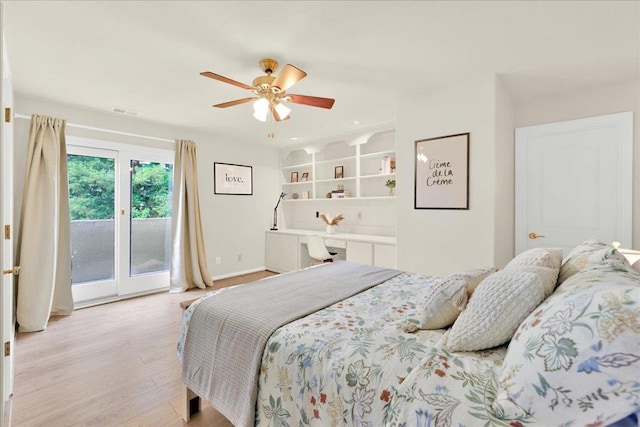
[120, 199]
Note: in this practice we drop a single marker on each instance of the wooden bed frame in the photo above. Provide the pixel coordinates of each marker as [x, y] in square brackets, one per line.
[190, 403]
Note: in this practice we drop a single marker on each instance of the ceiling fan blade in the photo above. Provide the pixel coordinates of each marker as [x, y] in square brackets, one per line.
[313, 101]
[225, 79]
[289, 76]
[277, 116]
[236, 102]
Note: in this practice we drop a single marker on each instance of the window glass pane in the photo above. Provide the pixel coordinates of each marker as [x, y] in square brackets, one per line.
[91, 207]
[151, 198]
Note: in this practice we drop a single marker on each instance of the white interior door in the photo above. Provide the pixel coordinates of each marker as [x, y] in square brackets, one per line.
[7, 323]
[574, 182]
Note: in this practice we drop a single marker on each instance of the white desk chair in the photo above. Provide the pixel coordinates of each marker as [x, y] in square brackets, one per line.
[318, 251]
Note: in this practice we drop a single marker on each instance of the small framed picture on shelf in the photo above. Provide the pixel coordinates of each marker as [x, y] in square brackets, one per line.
[339, 172]
[294, 176]
[305, 177]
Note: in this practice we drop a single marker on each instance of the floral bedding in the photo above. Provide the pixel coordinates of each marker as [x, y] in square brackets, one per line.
[576, 359]
[573, 361]
[352, 364]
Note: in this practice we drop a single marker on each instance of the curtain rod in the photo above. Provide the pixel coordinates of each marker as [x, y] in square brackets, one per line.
[155, 138]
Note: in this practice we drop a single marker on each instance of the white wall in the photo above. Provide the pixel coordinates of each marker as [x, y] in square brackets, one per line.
[439, 242]
[232, 225]
[598, 101]
[505, 176]
[442, 241]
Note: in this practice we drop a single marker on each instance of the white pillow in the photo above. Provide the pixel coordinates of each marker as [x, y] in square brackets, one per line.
[589, 252]
[636, 266]
[449, 297]
[498, 306]
[541, 257]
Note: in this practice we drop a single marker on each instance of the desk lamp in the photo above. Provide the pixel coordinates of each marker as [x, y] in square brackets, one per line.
[275, 212]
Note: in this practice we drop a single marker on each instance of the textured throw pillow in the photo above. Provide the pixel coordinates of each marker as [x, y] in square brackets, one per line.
[541, 257]
[498, 306]
[636, 266]
[449, 297]
[575, 360]
[581, 255]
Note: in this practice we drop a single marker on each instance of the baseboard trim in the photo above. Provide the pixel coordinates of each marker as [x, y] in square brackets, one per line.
[238, 273]
[93, 303]
[7, 408]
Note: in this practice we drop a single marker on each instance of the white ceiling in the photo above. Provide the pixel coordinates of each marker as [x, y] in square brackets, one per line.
[147, 56]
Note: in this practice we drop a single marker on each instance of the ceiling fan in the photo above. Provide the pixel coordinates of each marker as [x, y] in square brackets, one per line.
[271, 92]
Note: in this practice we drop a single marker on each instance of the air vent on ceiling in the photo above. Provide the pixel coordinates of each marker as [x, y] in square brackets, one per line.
[124, 111]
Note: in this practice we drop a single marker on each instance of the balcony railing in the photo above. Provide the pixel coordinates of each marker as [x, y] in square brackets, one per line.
[93, 248]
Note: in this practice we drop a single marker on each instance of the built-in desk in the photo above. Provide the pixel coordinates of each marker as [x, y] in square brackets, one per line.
[286, 249]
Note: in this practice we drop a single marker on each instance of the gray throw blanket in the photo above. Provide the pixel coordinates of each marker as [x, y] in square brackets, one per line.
[227, 332]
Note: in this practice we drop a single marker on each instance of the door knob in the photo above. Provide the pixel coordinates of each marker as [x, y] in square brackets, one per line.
[14, 270]
[535, 236]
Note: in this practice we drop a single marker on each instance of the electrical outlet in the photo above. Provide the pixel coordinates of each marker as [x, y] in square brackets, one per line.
[239, 257]
[359, 215]
[218, 260]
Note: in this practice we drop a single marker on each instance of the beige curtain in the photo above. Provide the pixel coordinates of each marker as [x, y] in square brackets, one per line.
[188, 256]
[44, 247]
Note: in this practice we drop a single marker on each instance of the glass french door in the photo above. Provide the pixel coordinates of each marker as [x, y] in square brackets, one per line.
[120, 202]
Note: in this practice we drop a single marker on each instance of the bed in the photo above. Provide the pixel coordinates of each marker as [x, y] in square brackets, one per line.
[364, 358]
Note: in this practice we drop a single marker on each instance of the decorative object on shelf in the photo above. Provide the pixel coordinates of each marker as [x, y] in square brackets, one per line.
[328, 196]
[442, 172]
[385, 165]
[275, 212]
[232, 179]
[295, 196]
[294, 176]
[331, 222]
[305, 177]
[339, 193]
[390, 184]
[305, 194]
[339, 172]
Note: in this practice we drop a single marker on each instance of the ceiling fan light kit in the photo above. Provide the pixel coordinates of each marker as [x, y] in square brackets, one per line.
[261, 109]
[271, 91]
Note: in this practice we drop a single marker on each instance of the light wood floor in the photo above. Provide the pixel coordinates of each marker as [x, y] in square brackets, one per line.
[110, 365]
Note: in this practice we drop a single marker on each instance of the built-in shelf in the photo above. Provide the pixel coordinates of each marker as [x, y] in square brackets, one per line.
[378, 175]
[377, 197]
[343, 198]
[300, 165]
[378, 154]
[338, 180]
[297, 183]
[339, 159]
[361, 161]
